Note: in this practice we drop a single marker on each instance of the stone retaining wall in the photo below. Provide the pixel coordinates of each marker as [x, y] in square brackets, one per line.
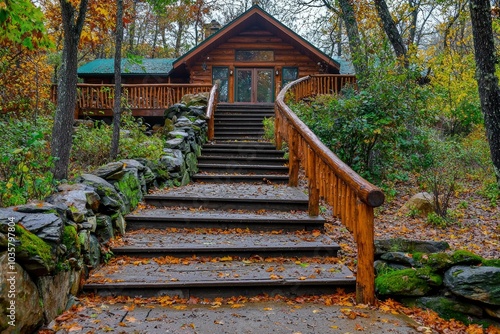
[459, 284]
[59, 240]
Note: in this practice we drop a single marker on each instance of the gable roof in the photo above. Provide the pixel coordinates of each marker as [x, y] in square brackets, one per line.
[254, 15]
[156, 66]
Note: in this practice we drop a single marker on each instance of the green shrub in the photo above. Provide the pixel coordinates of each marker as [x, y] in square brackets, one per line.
[268, 123]
[91, 145]
[25, 160]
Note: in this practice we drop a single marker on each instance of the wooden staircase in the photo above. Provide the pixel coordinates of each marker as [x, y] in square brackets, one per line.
[237, 230]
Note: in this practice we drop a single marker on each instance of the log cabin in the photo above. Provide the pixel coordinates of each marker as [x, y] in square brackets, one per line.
[252, 58]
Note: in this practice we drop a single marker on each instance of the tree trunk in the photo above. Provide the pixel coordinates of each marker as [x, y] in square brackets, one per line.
[117, 107]
[62, 131]
[391, 30]
[178, 39]
[358, 56]
[489, 92]
[131, 31]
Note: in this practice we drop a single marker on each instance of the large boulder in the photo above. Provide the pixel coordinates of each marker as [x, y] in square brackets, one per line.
[79, 198]
[409, 246]
[475, 283]
[109, 169]
[111, 201]
[54, 292]
[420, 204]
[26, 313]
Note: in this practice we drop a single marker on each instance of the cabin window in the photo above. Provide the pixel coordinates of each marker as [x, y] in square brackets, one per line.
[289, 74]
[254, 55]
[221, 74]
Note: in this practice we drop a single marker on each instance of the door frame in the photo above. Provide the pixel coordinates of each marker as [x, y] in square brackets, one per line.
[254, 82]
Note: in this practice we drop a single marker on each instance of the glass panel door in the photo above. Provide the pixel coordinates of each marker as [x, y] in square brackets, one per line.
[265, 85]
[222, 75]
[254, 85]
[243, 85]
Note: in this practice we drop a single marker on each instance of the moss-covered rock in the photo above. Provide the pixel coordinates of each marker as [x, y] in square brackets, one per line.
[33, 253]
[407, 282]
[130, 188]
[437, 261]
[465, 257]
[71, 241]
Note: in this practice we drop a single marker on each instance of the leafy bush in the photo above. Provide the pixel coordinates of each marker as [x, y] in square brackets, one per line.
[91, 145]
[375, 131]
[25, 160]
[268, 123]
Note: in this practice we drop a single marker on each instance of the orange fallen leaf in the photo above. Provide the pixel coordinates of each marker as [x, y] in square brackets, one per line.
[237, 305]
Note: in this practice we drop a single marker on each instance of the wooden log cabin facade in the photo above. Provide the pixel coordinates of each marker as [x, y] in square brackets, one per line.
[252, 57]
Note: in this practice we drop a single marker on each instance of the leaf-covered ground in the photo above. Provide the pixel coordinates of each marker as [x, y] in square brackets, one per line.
[475, 224]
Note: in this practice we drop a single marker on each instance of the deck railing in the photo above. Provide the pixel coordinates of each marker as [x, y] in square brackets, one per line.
[139, 96]
[352, 198]
[213, 100]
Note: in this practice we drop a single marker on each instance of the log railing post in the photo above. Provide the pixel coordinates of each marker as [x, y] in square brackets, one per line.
[364, 236]
[313, 184]
[293, 158]
[277, 133]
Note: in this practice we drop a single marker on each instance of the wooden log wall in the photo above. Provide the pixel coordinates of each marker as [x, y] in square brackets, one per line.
[285, 55]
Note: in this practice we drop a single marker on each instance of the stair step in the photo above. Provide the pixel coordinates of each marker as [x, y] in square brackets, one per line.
[153, 243]
[223, 277]
[236, 127]
[238, 137]
[237, 121]
[241, 160]
[270, 221]
[239, 131]
[219, 115]
[241, 169]
[242, 178]
[248, 145]
[232, 196]
[228, 151]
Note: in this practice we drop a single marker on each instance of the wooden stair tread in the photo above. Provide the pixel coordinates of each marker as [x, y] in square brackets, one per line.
[154, 241]
[147, 273]
[235, 191]
[222, 215]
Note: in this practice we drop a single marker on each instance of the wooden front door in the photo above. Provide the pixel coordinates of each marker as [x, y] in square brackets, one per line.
[254, 85]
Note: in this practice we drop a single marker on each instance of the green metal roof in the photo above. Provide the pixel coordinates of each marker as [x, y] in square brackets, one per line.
[158, 66]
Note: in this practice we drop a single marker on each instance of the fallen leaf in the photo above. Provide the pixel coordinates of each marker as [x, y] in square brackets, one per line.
[237, 305]
[75, 328]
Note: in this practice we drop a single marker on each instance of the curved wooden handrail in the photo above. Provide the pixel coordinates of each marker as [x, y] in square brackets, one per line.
[211, 107]
[352, 197]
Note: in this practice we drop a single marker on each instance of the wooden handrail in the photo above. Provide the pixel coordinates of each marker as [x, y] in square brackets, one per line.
[211, 107]
[352, 197]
